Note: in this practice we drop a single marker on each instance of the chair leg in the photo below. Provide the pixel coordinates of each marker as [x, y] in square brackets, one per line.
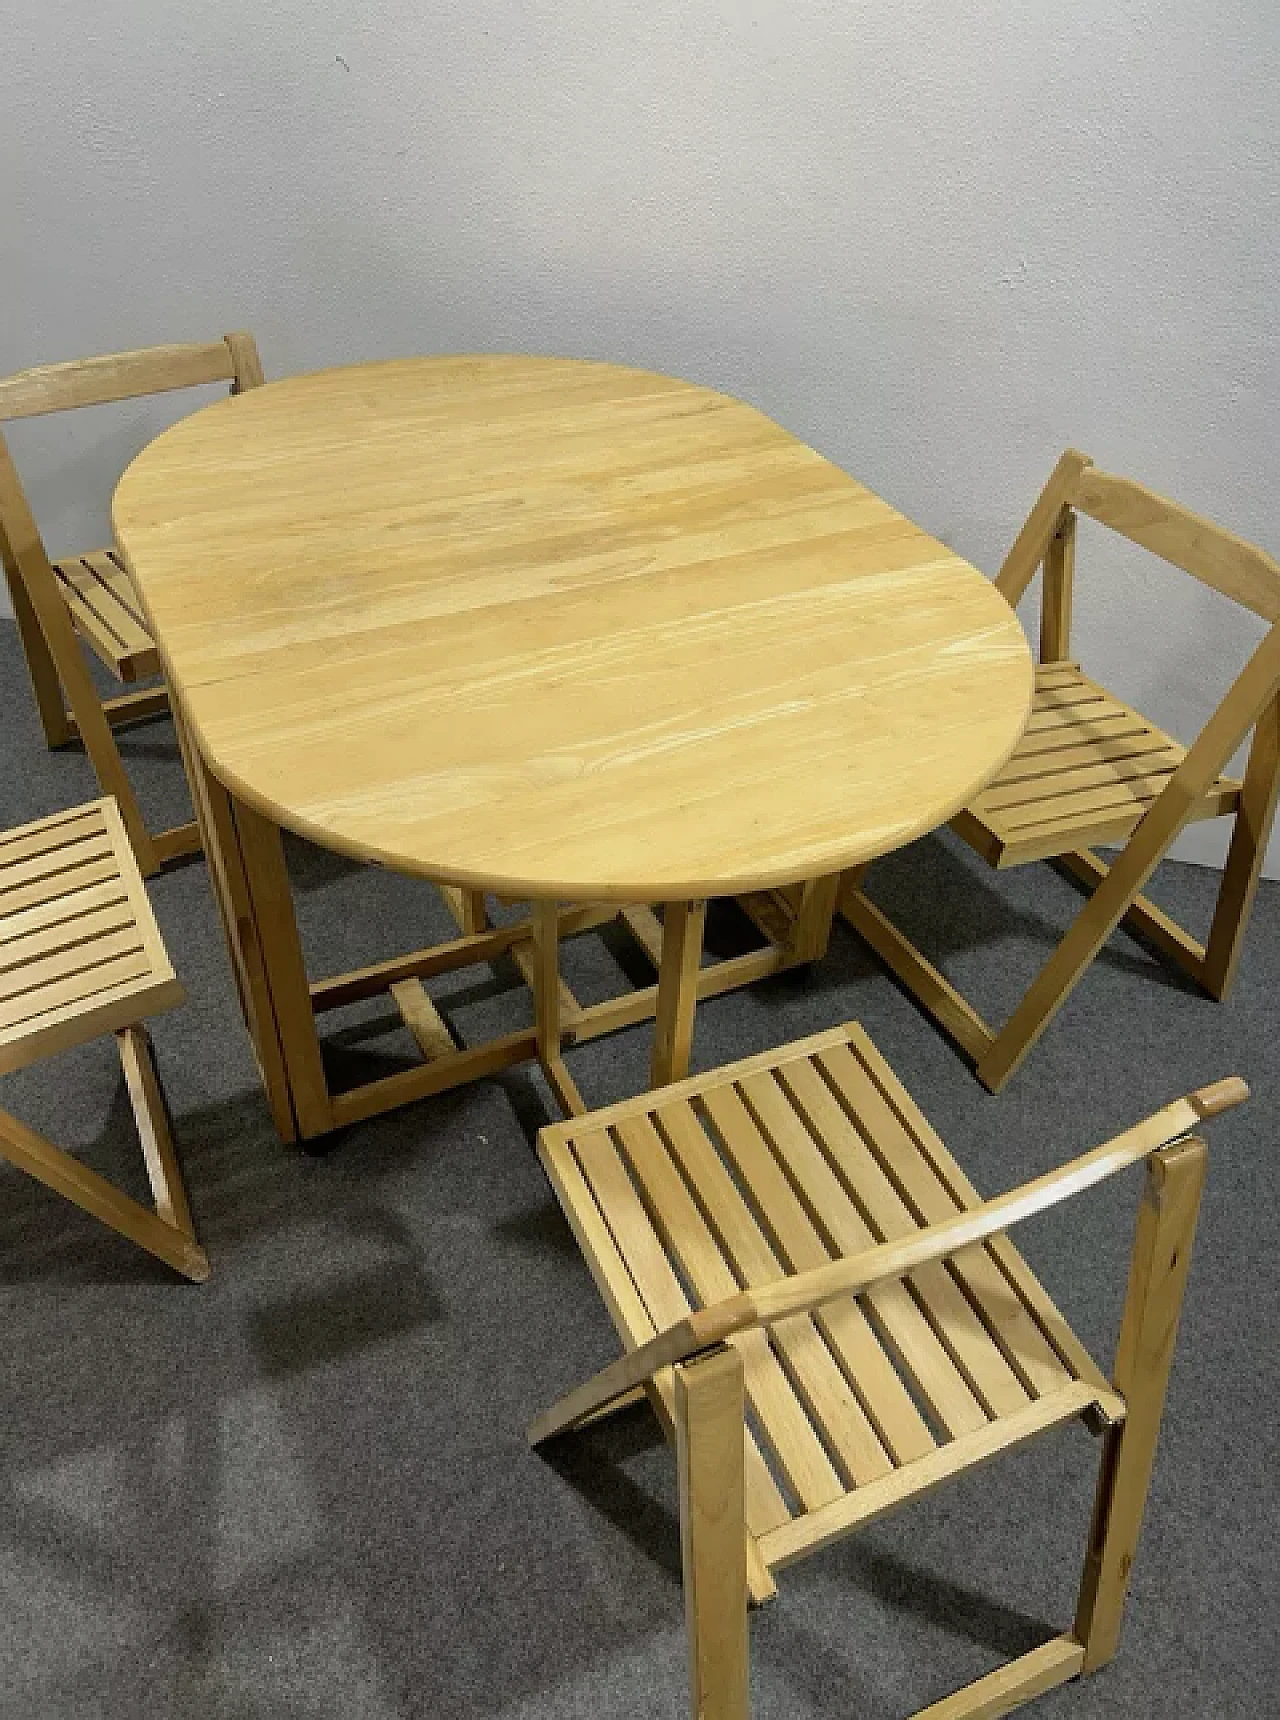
[1157, 1277]
[57, 725]
[166, 845]
[1248, 851]
[710, 1416]
[1116, 897]
[997, 1054]
[927, 984]
[1007, 1688]
[146, 1095]
[91, 721]
[1141, 917]
[1090, 929]
[66, 1176]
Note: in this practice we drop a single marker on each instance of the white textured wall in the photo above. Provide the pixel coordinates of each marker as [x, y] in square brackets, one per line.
[936, 244]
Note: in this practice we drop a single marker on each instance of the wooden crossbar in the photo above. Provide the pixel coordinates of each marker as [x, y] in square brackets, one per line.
[114, 376]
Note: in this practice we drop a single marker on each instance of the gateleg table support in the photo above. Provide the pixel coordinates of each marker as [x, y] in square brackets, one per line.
[271, 902]
[215, 818]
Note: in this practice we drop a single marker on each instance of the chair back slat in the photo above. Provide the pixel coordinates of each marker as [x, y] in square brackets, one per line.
[1209, 553]
[114, 376]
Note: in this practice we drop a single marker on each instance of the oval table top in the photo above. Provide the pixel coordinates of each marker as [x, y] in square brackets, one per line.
[563, 629]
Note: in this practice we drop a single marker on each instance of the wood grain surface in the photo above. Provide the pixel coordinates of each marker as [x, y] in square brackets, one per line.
[560, 628]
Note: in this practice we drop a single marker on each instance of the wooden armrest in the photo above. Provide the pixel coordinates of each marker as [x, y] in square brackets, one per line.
[807, 1291]
[860, 1272]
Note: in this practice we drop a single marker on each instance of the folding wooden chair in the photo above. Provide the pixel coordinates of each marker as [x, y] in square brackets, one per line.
[80, 956]
[817, 1301]
[1091, 769]
[92, 595]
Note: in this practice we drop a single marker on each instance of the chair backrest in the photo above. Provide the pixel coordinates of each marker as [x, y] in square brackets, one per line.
[1210, 553]
[126, 375]
[26, 565]
[95, 382]
[1216, 557]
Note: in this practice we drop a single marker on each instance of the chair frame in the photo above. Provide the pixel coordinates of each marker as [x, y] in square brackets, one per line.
[74, 909]
[1238, 570]
[168, 1231]
[59, 674]
[705, 1380]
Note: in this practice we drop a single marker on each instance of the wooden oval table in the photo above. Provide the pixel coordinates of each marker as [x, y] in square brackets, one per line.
[561, 631]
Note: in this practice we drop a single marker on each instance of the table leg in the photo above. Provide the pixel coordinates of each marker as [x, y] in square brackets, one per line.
[216, 820]
[544, 976]
[682, 928]
[811, 931]
[271, 906]
[467, 907]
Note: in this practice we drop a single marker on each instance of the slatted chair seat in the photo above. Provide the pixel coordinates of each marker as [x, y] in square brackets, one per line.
[1086, 770]
[77, 935]
[831, 1320]
[1090, 770]
[782, 1164]
[81, 956]
[107, 614]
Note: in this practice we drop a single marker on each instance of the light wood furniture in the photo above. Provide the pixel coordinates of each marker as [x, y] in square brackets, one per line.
[818, 1302]
[81, 956]
[548, 630]
[90, 597]
[1090, 769]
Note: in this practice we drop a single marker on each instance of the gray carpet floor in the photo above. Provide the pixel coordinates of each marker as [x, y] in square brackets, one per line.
[302, 1490]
